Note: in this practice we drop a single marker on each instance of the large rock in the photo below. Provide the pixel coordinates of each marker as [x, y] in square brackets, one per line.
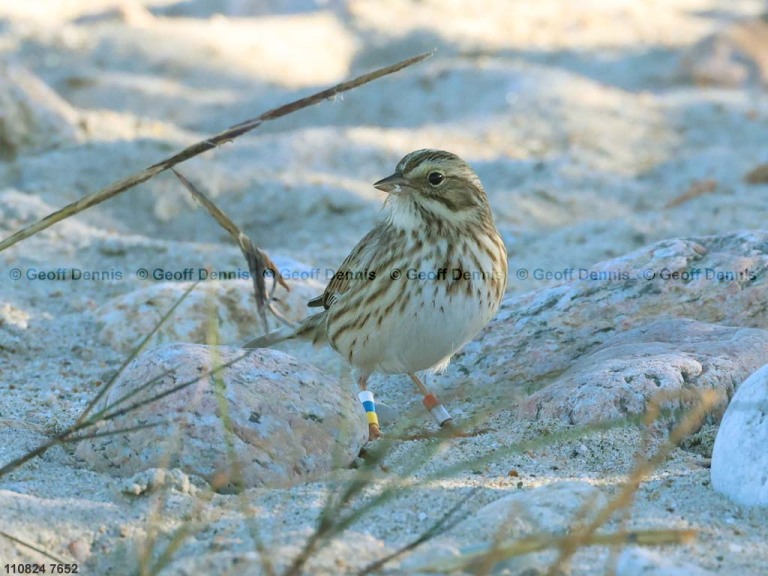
[664, 360]
[538, 336]
[548, 509]
[740, 455]
[734, 56]
[289, 422]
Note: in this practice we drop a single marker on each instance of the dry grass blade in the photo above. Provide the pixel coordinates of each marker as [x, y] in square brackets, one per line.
[203, 146]
[172, 390]
[68, 435]
[128, 430]
[696, 189]
[493, 554]
[438, 528]
[260, 265]
[135, 352]
[109, 412]
[83, 420]
[708, 399]
[333, 521]
[104, 414]
[147, 568]
[32, 547]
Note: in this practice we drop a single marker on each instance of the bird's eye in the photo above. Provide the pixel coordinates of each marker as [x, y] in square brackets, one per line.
[435, 179]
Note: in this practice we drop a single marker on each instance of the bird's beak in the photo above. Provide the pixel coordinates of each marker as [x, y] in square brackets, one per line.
[393, 184]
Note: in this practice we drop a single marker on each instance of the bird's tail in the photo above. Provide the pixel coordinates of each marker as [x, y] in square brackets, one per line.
[310, 328]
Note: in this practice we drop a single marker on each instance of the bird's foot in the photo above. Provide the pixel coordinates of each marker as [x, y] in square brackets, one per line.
[449, 430]
[373, 432]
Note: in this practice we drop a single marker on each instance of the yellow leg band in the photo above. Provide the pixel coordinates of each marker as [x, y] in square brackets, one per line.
[372, 417]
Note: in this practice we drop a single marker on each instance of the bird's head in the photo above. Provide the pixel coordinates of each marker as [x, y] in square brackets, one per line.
[434, 184]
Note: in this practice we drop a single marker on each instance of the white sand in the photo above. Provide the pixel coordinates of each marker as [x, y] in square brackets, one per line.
[577, 120]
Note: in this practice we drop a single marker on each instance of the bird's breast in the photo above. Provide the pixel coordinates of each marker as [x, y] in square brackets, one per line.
[417, 314]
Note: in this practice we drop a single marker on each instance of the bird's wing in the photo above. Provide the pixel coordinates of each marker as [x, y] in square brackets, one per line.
[355, 268]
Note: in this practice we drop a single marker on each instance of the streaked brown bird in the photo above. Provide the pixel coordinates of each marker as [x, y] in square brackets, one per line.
[418, 286]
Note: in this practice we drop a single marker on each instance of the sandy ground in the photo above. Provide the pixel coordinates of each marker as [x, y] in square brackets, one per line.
[583, 124]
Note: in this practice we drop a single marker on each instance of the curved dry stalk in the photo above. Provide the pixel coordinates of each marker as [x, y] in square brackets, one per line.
[260, 265]
[203, 146]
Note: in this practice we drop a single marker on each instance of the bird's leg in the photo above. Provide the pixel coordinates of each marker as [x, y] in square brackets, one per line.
[431, 403]
[366, 397]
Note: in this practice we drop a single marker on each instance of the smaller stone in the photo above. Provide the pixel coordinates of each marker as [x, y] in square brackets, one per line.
[549, 509]
[153, 479]
[758, 175]
[581, 450]
[734, 56]
[740, 457]
[80, 550]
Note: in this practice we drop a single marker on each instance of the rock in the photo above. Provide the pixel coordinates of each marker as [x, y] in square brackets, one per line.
[80, 549]
[13, 323]
[701, 442]
[668, 357]
[289, 422]
[740, 457]
[154, 479]
[758, 175]
[439, 553]
[735, 56]
[32, 116]
[538, 336]
[641, 562]
[551, 509]
[229, 304]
